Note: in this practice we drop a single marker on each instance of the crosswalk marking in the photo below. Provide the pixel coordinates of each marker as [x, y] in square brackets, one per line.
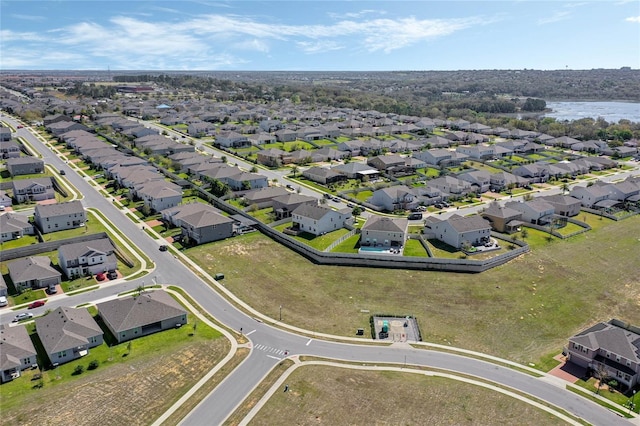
[269, 349]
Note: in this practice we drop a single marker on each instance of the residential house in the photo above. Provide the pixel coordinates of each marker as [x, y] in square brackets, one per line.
[399, 197]
[441, 157]
[535, 211]
[480, 180]
[17, 166]
[563, 205]
[502, 180]
[501, 218]
[3, 286]
[200, 223]
[355, 170]
[589, 196]
[534, 173]
[33, 272]
[451, 185]
[478, 152]
[460, 231]
[9, 149]
[68, 333]
[284, 205]
[59, 216]
[5, 199]
[33, 189]
[87, 258]
[323, 175]
[263, 197]
[624, 191]
[613, 345]
[160, 194]
[385, 232]
[14, 226]
[388, 163]
[273, 157]
[5, 134]
[140, 315]
[232, 140]
[17, 352]
[319, 220]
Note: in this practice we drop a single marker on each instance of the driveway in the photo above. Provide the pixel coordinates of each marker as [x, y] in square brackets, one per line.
[568, 371]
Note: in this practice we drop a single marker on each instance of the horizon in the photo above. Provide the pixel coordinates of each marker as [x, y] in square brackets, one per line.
[319, 36]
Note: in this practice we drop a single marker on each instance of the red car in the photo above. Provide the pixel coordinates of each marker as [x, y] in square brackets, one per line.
[100, 276]
[36, 304]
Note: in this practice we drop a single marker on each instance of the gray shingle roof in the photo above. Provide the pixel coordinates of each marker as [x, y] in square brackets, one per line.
[31, 268]
[388, 224]
[311, 211]
[137, 311]
[76, 250]
[66, 328]
[15, 345]
[612, 339]
[59, 209]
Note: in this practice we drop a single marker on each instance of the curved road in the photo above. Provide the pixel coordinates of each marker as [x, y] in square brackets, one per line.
[269, 343]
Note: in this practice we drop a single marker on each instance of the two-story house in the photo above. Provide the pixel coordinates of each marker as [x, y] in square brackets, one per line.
[399, 197]
[59, 216]
[34, 189]
[87, 258]
[385, 232]
[458, 231]
[613, 345]
[318, 220]
[200, 223]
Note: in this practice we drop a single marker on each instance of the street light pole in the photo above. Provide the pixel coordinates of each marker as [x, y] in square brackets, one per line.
[280, 312]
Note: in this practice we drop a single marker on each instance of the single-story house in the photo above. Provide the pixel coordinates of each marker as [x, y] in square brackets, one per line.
[33, 272]
[139, 315]
[68, 333]
[323, 175]
[13, 226]
[17, 352]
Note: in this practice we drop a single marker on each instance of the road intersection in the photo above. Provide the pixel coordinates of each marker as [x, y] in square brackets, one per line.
[269, 339]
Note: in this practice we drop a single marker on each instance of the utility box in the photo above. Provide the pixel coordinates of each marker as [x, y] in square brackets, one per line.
[218, 276]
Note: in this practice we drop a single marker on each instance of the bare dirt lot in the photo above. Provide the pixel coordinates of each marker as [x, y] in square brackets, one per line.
[322, 395]
[129, 393]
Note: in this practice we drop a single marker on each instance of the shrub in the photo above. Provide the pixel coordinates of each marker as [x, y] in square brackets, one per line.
[78, 370]
[93, 365]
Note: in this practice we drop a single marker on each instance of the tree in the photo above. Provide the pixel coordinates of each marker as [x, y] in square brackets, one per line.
[601, 374]
[524, 233]
[565, 188]
[357, 211]
[294, 170]
[254, 169]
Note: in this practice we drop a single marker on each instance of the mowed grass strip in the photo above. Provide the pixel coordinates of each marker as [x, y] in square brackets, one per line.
[331, 395]
[522, 311]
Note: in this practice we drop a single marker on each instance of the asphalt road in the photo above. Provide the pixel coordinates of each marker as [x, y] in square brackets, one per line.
[269, 342]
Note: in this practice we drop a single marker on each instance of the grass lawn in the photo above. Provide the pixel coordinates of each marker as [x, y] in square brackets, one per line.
[440, 249]
[363, 196]
[151, 376]
[544, 296]
[297, 145]
[333, 395]
[26, 240]
[414, 248]
[321, 242]
[569, 229]
[610, 394]
[263, 215]
[324, 142]
[350, 245]
[93, 226]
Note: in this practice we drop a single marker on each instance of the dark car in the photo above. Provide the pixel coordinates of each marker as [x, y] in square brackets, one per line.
[415, 216]
[36, 304]
[62, 172]
[438, 206]
[164, 247]
[112, 275]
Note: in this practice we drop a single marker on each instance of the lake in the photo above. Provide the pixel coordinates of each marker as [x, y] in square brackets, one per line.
[610, 111]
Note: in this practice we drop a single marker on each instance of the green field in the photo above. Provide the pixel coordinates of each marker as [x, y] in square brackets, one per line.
[522, 311]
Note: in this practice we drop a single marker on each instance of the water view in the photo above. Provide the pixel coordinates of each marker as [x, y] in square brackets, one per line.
[612, 112]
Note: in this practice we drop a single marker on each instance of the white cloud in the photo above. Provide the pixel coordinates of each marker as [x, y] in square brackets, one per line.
[557, 16]
[211, 40]
[319, 46]
[635, 19]
[355, 15]
[28, 17]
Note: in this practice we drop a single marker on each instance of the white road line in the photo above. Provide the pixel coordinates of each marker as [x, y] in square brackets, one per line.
[309, 342]
[274, 357]
[250, 333]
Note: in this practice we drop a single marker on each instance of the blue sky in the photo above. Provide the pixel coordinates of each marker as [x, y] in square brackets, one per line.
[319, 35]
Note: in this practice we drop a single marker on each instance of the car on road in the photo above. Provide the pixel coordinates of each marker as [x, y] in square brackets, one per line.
[289, 187]
[415, 216]
[437, 206]
[336, 199]
[3, 301]
[22, 316]
[36, 304]
[351, 205]
[62, 172]
[164, 247]
[20, 126]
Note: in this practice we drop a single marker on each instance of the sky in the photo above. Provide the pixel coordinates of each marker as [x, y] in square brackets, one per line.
[320, 35]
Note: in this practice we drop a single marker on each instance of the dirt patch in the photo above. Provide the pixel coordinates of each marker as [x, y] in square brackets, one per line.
[130, 393]
[154, 222]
